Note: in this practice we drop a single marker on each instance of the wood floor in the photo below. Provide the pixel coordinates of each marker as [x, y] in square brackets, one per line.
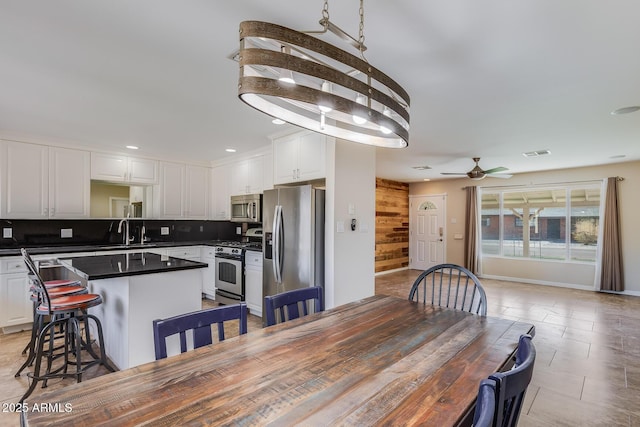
[587, 370]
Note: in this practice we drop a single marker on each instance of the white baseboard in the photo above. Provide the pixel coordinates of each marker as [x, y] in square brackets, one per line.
[395, 270]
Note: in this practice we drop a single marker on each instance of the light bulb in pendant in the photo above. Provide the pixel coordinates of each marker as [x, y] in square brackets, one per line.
[358, 119]
[326, 87]
[286, 76]
[385, 130]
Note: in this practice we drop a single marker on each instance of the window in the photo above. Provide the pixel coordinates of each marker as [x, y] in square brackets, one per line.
[559, 223]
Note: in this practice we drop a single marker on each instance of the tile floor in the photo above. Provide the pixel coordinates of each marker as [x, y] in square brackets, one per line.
[587, 370]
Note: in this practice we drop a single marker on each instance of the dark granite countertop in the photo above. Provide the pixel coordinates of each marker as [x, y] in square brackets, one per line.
[43, 250]
[131, 264]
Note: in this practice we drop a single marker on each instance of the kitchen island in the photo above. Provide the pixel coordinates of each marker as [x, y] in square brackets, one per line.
[137, 288]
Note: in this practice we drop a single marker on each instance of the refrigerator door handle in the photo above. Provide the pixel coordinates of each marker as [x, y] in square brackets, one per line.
[277, 244]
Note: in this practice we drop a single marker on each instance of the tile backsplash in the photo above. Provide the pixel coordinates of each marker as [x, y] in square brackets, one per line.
[31, 232]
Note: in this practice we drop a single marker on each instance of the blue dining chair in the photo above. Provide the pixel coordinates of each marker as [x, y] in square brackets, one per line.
[485, 404]
[200, 323]
[292, 300]
[512, 385]
[452, 286]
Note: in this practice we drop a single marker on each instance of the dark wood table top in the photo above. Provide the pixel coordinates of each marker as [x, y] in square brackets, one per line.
[379, 360]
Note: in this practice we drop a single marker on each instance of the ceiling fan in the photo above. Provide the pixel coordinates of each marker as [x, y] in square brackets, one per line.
[478, 173]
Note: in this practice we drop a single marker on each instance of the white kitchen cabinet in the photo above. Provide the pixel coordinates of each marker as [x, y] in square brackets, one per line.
[299, 157]
[41, 182]
[182, 192]
[247, 176]
[117, 168]
[253, 281]
[221, 195]
[15, 306]
[169, 194]
[197, 192]
[191, 253]
[267, 172]
[208, 256]
[69, 183]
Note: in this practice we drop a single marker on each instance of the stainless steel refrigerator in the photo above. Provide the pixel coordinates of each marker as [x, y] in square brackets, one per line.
[293, 239]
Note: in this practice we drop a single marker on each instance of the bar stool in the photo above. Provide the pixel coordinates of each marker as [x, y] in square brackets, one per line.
[64, 312]
[54, 292]
[49, 284]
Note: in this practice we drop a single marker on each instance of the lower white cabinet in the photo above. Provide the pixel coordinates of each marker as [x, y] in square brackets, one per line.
[208, 274]
[253, 281]
[192, 253]
[15, 306]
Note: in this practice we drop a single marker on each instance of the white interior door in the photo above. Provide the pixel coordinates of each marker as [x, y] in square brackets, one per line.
[427, 236]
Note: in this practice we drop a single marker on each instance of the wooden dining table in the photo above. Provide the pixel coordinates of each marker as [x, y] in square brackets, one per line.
[380, 360]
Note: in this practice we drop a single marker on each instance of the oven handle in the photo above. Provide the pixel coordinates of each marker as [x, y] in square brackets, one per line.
[277, 244]
[228, 295]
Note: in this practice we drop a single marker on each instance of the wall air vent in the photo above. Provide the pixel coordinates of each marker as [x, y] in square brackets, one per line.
[536, 153]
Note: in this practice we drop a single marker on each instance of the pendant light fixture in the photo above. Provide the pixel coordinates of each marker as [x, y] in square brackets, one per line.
[305, 81]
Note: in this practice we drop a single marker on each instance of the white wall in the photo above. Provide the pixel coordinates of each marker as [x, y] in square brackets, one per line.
[350, 255]
[563, 274]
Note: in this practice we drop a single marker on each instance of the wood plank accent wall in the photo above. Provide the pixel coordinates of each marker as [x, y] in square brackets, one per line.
[392, 225]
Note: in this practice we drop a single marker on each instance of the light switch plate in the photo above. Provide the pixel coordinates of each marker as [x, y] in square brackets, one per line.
[164, 231]
[340, 226]
[66, 233]
[7, 233]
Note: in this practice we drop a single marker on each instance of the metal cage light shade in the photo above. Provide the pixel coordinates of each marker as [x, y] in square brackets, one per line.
[332, 87]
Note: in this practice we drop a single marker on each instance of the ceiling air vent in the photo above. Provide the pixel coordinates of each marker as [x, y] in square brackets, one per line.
[536, 153]
[421, 168]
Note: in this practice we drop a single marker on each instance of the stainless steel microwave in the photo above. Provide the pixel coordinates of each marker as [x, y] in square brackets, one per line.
[247, 208]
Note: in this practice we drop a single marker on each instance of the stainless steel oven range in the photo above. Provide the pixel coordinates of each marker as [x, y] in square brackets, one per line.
[229, 274]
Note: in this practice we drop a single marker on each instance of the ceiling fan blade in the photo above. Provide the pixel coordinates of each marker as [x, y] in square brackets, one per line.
[500, 175]
[453, 173]
[498, 169]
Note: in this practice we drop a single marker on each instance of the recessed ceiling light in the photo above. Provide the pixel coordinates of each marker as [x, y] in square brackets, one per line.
[625, 110]
[230, 150]
[426, 179]
[536, 153]
[278, 122]
[132, 147]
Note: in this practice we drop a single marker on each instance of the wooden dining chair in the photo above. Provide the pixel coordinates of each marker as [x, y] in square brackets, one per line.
[287, 304]
[452, 286]
[485, 404]
[200, 322]
[511, 386]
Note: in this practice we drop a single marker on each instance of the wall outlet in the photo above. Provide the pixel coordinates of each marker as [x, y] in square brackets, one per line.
[202, 228]
[66, 233]
[164, 231]
[238, 230]
[7, 233]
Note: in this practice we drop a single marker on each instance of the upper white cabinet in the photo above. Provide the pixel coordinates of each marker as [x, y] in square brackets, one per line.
[247, 176]
[69, 183]
[182, 192]
[221, 195]
[116, 168]
[44, 182]
[299, 157]
[168, 196]
[197, 192]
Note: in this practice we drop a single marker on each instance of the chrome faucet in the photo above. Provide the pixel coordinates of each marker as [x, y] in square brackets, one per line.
[143, 238]
[126, 239]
